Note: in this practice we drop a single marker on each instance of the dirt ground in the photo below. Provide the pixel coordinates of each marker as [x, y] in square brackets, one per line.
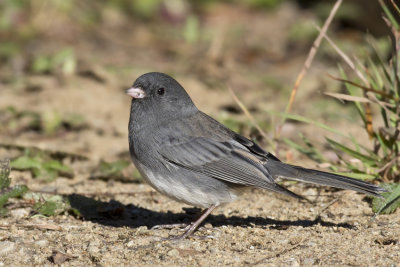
[260, 229]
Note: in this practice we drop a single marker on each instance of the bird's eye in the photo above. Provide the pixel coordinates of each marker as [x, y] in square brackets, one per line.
[161, 91]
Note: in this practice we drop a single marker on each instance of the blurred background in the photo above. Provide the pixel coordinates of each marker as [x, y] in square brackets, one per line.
[65, 64]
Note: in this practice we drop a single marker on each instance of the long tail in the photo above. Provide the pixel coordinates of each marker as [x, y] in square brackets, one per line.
[280, 170]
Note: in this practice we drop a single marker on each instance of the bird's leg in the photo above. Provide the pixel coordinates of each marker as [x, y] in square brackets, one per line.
[190, 228]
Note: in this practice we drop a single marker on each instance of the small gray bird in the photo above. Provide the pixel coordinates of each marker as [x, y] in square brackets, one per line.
[190, 157]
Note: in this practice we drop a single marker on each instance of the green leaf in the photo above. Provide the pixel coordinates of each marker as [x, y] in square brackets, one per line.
[41, 64]
[12, 192]
[146, 8]
[390, 202]
[51, 122]
[360, 176]
[355, 143]
[191, 30]
[310, 121]
[25, 163]
[47, 208]
[389, 14]
[319, 157]
[382, 143]
[52, 206]
[376, 83]
[110, 170]
[351, 89]
[371, 161]
[383, 66]
[44, 174]
[41, 167]
[312, 153]
[57, 166]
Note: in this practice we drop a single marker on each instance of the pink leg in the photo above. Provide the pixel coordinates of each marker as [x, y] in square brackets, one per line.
[193, 226]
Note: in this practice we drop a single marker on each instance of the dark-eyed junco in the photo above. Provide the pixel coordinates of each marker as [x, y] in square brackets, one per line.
[190, 157]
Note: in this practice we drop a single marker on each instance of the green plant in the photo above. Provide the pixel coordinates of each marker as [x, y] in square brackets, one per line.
[110, 170]
[377, 87]
[41, 165]
[48, 122]
[63, 61]
[7, 192]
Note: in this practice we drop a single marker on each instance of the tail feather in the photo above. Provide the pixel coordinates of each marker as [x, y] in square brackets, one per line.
[280, 170]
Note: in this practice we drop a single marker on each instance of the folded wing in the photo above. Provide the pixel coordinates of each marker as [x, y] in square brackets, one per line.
[228, 161]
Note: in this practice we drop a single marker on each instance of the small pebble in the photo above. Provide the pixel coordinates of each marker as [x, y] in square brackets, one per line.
[6, 247]
[19, 213]
[42, 243]
[295, 263]
[308, 261]
[93, 249]
[130, 244]
[173, 252]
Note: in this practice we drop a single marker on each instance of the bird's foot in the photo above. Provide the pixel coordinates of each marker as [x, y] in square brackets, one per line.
[190, 228]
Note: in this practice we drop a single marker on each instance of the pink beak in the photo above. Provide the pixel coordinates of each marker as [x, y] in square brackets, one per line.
[135, 92]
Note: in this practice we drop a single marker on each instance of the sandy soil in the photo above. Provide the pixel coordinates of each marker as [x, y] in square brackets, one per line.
[260, 229]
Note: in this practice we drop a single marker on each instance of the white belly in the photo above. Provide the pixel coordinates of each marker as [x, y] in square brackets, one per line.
[179, 191]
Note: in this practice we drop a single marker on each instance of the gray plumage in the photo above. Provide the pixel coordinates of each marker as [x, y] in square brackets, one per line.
[187, 155]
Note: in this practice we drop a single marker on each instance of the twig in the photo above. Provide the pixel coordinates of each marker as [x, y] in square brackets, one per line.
[387, 165]
[308, 61]
[395, 6]
[58, 257]
[345, 58]
[37, 226]
[367, 107]
[249, 116]
[390, 96]
[326, 207]
[276, 255]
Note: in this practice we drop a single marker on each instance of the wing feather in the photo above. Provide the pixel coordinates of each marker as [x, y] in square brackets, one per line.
[220, 160]
[227, 161]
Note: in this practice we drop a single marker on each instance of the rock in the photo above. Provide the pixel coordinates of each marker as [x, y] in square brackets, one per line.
[173, 252]
[6, 247]
[42, 243]
[93, 249]
[69, 237]
[295, 263]
[308, 261]
[130, 244]
[19, 213]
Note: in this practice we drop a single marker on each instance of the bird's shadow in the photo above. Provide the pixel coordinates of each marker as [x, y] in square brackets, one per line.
[116, 214]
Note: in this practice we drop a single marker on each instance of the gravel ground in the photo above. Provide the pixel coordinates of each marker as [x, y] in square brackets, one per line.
[260, 229]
